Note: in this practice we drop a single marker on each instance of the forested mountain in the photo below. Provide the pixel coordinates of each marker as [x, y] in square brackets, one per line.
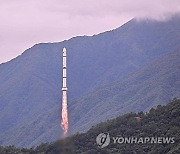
[154, 84]
[160, 122]
[30, 85]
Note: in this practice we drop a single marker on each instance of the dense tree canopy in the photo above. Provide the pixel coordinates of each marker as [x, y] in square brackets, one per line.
[160, 122]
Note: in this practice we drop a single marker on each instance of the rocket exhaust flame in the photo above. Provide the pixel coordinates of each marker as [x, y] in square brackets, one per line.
[64, 120]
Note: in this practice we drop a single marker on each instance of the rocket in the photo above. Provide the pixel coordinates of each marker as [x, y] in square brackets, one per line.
[64, 120]
[64, 88]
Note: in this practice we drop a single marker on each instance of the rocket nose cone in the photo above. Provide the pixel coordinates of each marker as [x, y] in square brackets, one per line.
[64, 49]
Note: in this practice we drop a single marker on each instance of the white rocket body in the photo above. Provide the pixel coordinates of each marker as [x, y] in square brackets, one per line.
[64, 87]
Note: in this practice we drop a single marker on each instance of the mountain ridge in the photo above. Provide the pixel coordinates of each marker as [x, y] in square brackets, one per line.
[162, 122]
[30, 85]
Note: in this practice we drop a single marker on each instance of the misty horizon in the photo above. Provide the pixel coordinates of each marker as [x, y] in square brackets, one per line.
[24, 24]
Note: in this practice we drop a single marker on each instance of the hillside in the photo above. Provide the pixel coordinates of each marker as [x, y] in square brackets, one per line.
[150, 86]
[161, 122]
[30, 85]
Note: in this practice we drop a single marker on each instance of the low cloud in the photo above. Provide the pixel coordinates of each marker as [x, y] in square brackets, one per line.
[25, 23]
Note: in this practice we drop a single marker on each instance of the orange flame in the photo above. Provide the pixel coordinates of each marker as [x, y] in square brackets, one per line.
[64, 122]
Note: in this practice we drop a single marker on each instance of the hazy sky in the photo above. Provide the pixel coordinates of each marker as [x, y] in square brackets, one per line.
[24, 23]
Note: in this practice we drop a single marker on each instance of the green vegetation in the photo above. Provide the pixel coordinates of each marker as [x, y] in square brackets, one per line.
[164, 121]
[129, 69]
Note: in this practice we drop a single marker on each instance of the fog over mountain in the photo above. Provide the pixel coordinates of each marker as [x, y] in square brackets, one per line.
[57, 20]
[131, 68]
